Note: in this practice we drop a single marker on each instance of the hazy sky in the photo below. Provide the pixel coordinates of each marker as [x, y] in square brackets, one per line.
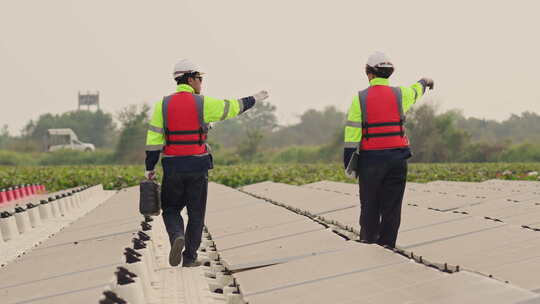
[483, 55]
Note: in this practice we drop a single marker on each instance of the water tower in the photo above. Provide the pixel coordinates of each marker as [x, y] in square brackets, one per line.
[89, 99]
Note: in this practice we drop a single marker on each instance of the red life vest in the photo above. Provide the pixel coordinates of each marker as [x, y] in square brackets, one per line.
[382, 118]
[183, 123]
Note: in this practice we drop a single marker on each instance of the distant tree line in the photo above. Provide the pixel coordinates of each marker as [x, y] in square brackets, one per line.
[95, 127]
[256, 136]
[123, 143]
[434, 137]
[450, 137]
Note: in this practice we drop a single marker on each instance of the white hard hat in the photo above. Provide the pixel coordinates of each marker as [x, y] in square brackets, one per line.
[379, 60]
[184, 66]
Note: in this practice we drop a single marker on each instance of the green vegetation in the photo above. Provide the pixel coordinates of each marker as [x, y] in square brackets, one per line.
[473, 172]
[132, 139]
[256, 137]
[11, 158]
[450, 137]
[62, 177]
[118, 146]
[60, 157]
[116, 177]
[70, 157]
[93, 127]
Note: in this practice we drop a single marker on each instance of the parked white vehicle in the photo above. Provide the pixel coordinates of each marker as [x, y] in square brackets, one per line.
[58, 139]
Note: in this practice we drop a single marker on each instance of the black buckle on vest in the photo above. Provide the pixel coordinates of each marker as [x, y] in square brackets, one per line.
[383, 124]
[199, 142]
[366, 128]
[201, 131]
[367, 136]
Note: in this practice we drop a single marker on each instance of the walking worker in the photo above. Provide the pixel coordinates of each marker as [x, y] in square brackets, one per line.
[375, 140]
[179, 129]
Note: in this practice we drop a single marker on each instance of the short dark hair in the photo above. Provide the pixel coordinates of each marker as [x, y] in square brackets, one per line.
[184, 78]
[381, 72]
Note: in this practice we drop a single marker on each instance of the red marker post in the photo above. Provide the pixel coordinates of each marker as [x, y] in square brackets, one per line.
[24, 193]
[33, 189]
[3, 196]
[17, 192]
[9, 194]
[29, 189]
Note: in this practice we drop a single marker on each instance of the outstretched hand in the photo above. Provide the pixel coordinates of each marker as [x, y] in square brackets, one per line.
[429, 82]
[262, 95]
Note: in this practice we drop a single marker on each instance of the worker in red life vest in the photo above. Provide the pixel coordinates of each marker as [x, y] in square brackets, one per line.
[178, 130]
[376, 149]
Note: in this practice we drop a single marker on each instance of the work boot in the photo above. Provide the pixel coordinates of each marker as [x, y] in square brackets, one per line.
[175, 256]
[195, 263]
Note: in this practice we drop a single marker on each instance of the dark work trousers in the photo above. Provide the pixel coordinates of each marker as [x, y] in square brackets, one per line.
[382, 185]
[179, 190]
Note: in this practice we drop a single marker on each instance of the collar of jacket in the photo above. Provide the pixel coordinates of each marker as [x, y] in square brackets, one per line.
[379, 81]
[185, 88]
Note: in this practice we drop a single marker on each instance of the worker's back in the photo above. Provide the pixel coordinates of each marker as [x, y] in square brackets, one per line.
[382, 118]
[185, 130]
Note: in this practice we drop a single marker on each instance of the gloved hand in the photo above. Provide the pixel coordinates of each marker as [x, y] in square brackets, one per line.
[262, 95]
[429, 82]
[350, 174]
[150, 174]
